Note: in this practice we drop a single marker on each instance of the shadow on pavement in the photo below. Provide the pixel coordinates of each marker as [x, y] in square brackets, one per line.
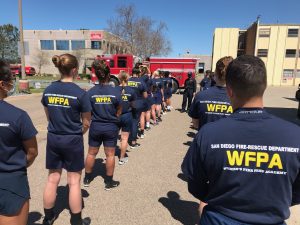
[188, 143]
[289, 114]
[33, 217]
[191, 134]
[182, 177]
[62, 199]
[183, 211]
[292, 99]
[99, 169]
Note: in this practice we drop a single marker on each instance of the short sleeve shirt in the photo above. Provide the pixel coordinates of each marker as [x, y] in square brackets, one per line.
[128, 97]
[157, 86]
[15, 127]
[138, 85]
[104, 101]
[247, 166]
[65, 102]
[210, 105]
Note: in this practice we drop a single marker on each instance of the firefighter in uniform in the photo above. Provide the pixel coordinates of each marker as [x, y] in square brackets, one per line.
[246, 166]
[190, 87]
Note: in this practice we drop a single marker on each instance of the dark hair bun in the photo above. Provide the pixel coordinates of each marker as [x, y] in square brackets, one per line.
[102, 71]
[56, 61]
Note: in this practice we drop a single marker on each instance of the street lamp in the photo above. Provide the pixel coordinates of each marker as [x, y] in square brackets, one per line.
[23, 84]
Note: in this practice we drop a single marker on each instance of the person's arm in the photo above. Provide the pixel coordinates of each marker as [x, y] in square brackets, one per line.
[119, 110]
[195, 123]
[193, 168]
[47, 113]
[31, 149]
[28, 134]
[296, 191]
[195, 87]
[145, 95]
[86, 121]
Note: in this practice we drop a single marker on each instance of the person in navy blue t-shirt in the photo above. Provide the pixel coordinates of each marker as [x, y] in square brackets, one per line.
[212, 104]
[158, 94]
[146, 77]
[18, 150]
[168, 84]
[128, 98]
[106, 110]
[140, 89]
[246, 166]
[68, 111]
[208, 81]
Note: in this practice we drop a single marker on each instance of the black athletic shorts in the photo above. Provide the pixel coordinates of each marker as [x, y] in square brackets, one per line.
[65, 151]
[103, 133]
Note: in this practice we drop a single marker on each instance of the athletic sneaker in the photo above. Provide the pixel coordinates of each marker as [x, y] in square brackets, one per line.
[142, 136]
[86, 181]
[147, 128]
[49, 221]
[159, 119]
[111, 184]
[136, 145]
[123, 161]
[164, 113]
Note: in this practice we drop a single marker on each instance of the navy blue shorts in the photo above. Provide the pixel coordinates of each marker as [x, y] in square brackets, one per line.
[209, 217]
[168, 93]
[158, 100]
[126, 122]
[103, 133]
[149, 102]
[10, 203]
[65, 151]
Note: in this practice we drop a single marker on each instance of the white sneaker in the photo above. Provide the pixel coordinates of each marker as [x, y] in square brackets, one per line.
[142, 136]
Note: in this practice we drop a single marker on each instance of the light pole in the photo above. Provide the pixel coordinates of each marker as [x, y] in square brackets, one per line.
[23, 84]
[21, 41]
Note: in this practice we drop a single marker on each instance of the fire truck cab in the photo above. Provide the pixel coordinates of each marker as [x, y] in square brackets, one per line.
[116, 63]
[178, 67]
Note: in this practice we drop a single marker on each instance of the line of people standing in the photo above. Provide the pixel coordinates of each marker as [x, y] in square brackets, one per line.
[104, 111]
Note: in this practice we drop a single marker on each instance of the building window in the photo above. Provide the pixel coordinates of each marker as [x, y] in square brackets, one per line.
[287, 74]
[76, 44]
[122, 62]
[290, 53]
[262, 52]
[47, 45]
[293, 32]
[96, 44]
[264, 32]
[62, 45]
[298, 74]
[201, 68]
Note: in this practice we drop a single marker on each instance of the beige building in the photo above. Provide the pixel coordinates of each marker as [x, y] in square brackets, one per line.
[41, 45]
[276, 44]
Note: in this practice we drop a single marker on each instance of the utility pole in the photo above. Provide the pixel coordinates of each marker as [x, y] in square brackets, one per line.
[21, 41]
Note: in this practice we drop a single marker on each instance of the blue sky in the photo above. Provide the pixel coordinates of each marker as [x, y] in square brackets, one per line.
[191, 23]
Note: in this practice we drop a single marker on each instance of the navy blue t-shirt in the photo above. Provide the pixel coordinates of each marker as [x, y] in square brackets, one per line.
[157, 87]
[15, 127]
[127, 98]
[105, 100]
[148, 82]
[246, 166]
[206, 83]
[138, 85]
[210, 105]
[65, 102]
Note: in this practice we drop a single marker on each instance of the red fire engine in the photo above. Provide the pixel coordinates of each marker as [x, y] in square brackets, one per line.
[16, 70]
[178, 67]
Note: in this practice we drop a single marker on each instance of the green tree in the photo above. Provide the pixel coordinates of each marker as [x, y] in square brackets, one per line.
[9, 39]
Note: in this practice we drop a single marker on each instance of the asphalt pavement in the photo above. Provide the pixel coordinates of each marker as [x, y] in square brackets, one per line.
[153, 190]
